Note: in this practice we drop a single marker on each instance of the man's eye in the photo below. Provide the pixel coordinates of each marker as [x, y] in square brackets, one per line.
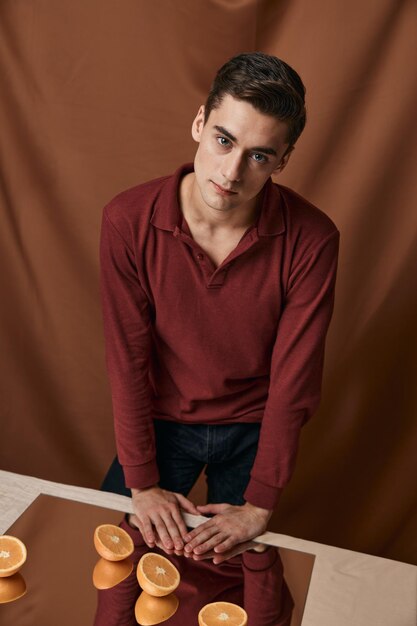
[259, 158]
[223, 141]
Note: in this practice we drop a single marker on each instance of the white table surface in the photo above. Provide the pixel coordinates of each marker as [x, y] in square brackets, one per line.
[347, 588]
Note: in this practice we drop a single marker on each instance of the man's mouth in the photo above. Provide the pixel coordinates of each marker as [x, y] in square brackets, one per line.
[223, 190]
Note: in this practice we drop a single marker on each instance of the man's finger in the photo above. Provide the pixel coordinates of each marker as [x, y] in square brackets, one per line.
[186, 504]
[205, 533]
[238, 549]
[148, 535]
[219, 558]
[201, 557]
[161, 546]
[212, 508]
[198, 530]
[173, 530]
[181, 525]
[210, 544]
[163, 533]
[227, 544]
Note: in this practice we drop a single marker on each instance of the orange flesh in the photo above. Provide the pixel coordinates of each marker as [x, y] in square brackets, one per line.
[163, 573]
[223, 613]
[11, 553]
[114, 540]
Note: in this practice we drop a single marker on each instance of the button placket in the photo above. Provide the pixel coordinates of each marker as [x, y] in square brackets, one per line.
[206, 266]
[215, 277]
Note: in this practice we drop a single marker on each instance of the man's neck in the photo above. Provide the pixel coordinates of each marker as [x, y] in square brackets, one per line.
[197, 213]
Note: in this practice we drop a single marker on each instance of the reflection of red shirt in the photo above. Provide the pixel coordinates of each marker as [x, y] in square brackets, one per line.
[191, 343]
[251, 580]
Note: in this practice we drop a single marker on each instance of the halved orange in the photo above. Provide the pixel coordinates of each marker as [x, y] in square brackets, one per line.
[12, 588]
[112, 542]
[157, 575]
[150, 610]
[12, 555]
[107, 574]
[224, 613]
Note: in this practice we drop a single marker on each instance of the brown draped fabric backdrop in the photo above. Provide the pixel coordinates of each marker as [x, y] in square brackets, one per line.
[99, 95]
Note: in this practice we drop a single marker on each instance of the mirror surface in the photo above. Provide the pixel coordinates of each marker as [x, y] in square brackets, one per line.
[58, 534]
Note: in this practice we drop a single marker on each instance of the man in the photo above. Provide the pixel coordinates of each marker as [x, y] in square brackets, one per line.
[217, 290]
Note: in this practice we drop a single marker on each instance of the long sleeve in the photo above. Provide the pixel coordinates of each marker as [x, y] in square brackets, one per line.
[267, 599]
[296, 369]
[127, 331]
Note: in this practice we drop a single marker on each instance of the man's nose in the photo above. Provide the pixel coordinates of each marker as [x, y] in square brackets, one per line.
[233, 167]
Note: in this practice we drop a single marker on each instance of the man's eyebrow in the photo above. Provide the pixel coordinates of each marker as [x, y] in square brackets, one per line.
[229, 135]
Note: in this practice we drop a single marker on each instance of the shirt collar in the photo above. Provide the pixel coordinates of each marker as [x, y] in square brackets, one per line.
[167, 213]
[271, 219]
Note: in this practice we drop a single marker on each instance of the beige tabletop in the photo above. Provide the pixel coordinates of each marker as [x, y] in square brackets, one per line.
[347, 588]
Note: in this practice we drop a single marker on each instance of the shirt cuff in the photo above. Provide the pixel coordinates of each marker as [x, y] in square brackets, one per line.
[141, 476]
[264, 496]
[257, 561]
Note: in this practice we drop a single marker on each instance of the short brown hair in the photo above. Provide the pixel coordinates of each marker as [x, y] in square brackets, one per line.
[269, 84]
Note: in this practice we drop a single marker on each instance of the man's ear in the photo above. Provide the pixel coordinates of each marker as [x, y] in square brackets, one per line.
[197, 127]
[284, 159]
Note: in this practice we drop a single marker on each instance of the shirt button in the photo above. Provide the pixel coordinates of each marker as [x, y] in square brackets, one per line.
[200, 256]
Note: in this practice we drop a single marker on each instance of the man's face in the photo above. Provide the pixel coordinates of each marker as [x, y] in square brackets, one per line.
[239, 148]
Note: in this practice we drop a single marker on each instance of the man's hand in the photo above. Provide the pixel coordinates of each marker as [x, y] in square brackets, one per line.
[221, 535]
[157, 515]
[224, 556]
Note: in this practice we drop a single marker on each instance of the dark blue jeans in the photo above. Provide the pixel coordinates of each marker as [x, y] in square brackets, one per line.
[226, 452]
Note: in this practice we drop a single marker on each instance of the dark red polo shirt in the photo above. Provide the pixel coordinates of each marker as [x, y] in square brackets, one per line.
[191, 343]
